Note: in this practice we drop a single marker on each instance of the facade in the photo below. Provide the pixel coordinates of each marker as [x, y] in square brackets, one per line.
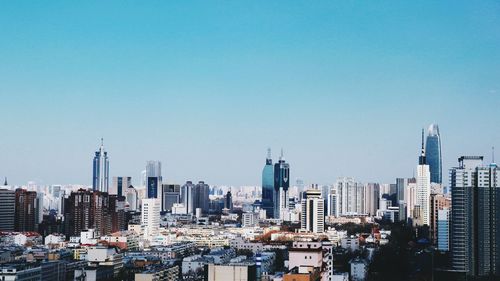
[132, 198]
[351, 196]
[85, 209]
[475, 217]
[433, 153]
[171, 195]
[150, 217]
[372, 197]
[438, 203]
[119, 185]
[268, 186]
[201, 197]
[333, 203]
[100, 178]
[25, 213]
[443, 230]
[423, 189]
[7, 209]
[281, 185]
[313, 212]
[153, 178]
[228, 201]
[187, 199]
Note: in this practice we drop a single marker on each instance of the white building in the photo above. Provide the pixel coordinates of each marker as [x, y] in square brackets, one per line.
[351, 196]
[150, 217]
[250, 219]
[313, 212]
[443, 230]
[424, 187]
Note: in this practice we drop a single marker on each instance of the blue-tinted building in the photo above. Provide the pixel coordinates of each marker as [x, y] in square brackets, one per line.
[100, 172]
[433, 153]
[268, 186]
[281, 185]
[443, 230]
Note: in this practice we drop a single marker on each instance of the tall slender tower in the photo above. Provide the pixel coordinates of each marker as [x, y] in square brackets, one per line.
[268, 186]
[423, 188]
[153, 179]
[433, 153]
[281, 185]
[100, 180]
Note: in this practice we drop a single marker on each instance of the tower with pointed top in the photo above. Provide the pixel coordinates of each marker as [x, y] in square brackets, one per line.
[100, 178]
[423, 188]
[281, 185]
[268, 186]
[433, 153]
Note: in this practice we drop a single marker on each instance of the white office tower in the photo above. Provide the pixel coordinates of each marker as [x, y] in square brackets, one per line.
[333, 203]
[423, 187]
[132, 198]
[313, 212]
[351, 195]
[150, 217]
[187, 199]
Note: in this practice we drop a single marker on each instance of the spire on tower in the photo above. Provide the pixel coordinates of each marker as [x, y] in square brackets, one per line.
[102, 141]
[5, 183]
[268, 153]
[281, 155]
[421, 159]
[423, 149]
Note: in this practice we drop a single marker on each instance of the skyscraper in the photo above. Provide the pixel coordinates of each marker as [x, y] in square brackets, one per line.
[7, 209]
[475, 217]
[100, 179]
[187, 197]
[313, 214]
[171, 195]
[423, 188]
[201, 197]
[351, 196]
[268, 186]
[372, 197]
[150, 217]
[433, 153]
[153, 178]
[119, 185]
[281, 185]
[25, 214]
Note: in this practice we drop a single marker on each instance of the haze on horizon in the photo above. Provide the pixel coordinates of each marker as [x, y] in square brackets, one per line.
[207, 87]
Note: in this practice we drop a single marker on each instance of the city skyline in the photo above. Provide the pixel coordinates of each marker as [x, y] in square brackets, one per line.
[180, 83]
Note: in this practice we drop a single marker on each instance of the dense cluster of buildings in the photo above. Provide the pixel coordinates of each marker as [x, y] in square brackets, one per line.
[279, 231]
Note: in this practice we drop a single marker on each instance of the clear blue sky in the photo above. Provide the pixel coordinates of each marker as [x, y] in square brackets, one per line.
[206, 86]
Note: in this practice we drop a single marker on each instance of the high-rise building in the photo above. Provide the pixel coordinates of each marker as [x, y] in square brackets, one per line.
[438, 203]
[351, 196]
[132, 198]
[423, 188]
[150, 217]
[411, 197]
[443, 230]
[117, 212]
[86, 209]
[433, 153]
[333, 203]
[119, 185]
[228, 201]
[7, 209]
[281, 185]
[201, 197]
[372, 195]
[400, 189]
[475, 217]
[268, 186]
[171, 195]
[153, 179]
[187, 198]
[100, 179]
[25, 213]
[313, 213]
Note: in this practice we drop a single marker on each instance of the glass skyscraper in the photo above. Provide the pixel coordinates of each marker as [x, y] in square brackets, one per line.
[433, 153]
[281, 185]
[268, 186]
[100, 177]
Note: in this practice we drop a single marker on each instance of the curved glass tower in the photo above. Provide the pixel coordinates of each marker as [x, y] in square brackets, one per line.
[433, 153]
[268, 186]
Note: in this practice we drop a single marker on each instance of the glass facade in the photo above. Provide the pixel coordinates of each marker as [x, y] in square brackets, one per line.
[268, 186]
[433, 153]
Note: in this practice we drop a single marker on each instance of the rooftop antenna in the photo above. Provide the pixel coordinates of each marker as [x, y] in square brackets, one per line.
[281, 156]
[102, 141]
[268, 153]
[5, 183]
